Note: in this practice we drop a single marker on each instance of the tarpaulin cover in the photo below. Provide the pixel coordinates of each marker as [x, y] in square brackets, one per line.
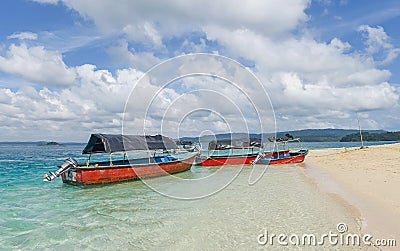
[109, 143]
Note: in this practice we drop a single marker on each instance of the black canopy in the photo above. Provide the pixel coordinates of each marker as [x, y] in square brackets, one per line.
[221, 144]
[109, 143]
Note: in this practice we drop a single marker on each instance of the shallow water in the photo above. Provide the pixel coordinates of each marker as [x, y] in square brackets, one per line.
[130, 216]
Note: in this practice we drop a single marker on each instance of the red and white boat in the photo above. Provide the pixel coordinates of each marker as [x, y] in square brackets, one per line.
[282, 154]
[286, 157]
[158, 162]
[279, 154]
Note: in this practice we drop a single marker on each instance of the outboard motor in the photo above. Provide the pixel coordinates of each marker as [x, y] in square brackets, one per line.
[260, 156]
[68, 164]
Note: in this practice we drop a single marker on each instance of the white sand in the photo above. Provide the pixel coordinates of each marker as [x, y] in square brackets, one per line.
[369, 179]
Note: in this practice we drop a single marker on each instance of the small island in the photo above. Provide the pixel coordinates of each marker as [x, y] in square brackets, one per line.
[51, 143]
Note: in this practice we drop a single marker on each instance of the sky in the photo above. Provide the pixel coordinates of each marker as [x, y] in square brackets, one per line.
[69, 68]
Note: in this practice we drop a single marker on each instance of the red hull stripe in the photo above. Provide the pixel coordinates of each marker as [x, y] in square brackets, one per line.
[293, 159]
[218, 161]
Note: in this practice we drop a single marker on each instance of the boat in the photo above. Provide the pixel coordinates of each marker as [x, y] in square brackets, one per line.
[281, 152]
[252, 151]
[286, 157]
[231, 152]
[162, 159]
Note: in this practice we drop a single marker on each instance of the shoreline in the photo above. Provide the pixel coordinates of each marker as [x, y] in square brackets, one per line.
[367, 179]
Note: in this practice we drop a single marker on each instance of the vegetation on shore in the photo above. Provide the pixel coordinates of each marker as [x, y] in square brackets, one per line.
[367, 136]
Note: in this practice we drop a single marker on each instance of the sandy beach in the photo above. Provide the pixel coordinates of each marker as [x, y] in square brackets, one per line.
[368, 179]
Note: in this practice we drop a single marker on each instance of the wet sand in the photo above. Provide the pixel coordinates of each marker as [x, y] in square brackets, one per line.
[368, 179]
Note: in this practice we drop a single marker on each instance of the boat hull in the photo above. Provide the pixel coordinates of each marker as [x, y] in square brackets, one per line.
[83, 175]
[236, 160]
[276, 158]
[287, 160]
[228, 160]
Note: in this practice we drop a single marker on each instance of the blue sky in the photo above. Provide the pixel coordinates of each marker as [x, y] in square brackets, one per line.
[64, 64]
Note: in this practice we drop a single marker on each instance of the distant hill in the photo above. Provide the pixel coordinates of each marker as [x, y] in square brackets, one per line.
[368, 136]
[221, 136]
[307, 135]
[323, 135]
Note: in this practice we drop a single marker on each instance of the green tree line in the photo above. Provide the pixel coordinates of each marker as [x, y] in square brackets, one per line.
[384, 136]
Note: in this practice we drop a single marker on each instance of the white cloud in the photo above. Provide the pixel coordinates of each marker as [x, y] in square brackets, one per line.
[172, 17]
[311, 83]
[338, 44]
[376, 38]
[308, 79]
[95, 103]
[37, 65]
[5, 96]
[145, 33]
[23, 35]
[346, 99]
[141, 61]
[378, 44]
[313, 61]
[46, 1]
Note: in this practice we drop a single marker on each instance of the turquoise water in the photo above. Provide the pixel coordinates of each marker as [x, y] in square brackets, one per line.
[35, 215]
